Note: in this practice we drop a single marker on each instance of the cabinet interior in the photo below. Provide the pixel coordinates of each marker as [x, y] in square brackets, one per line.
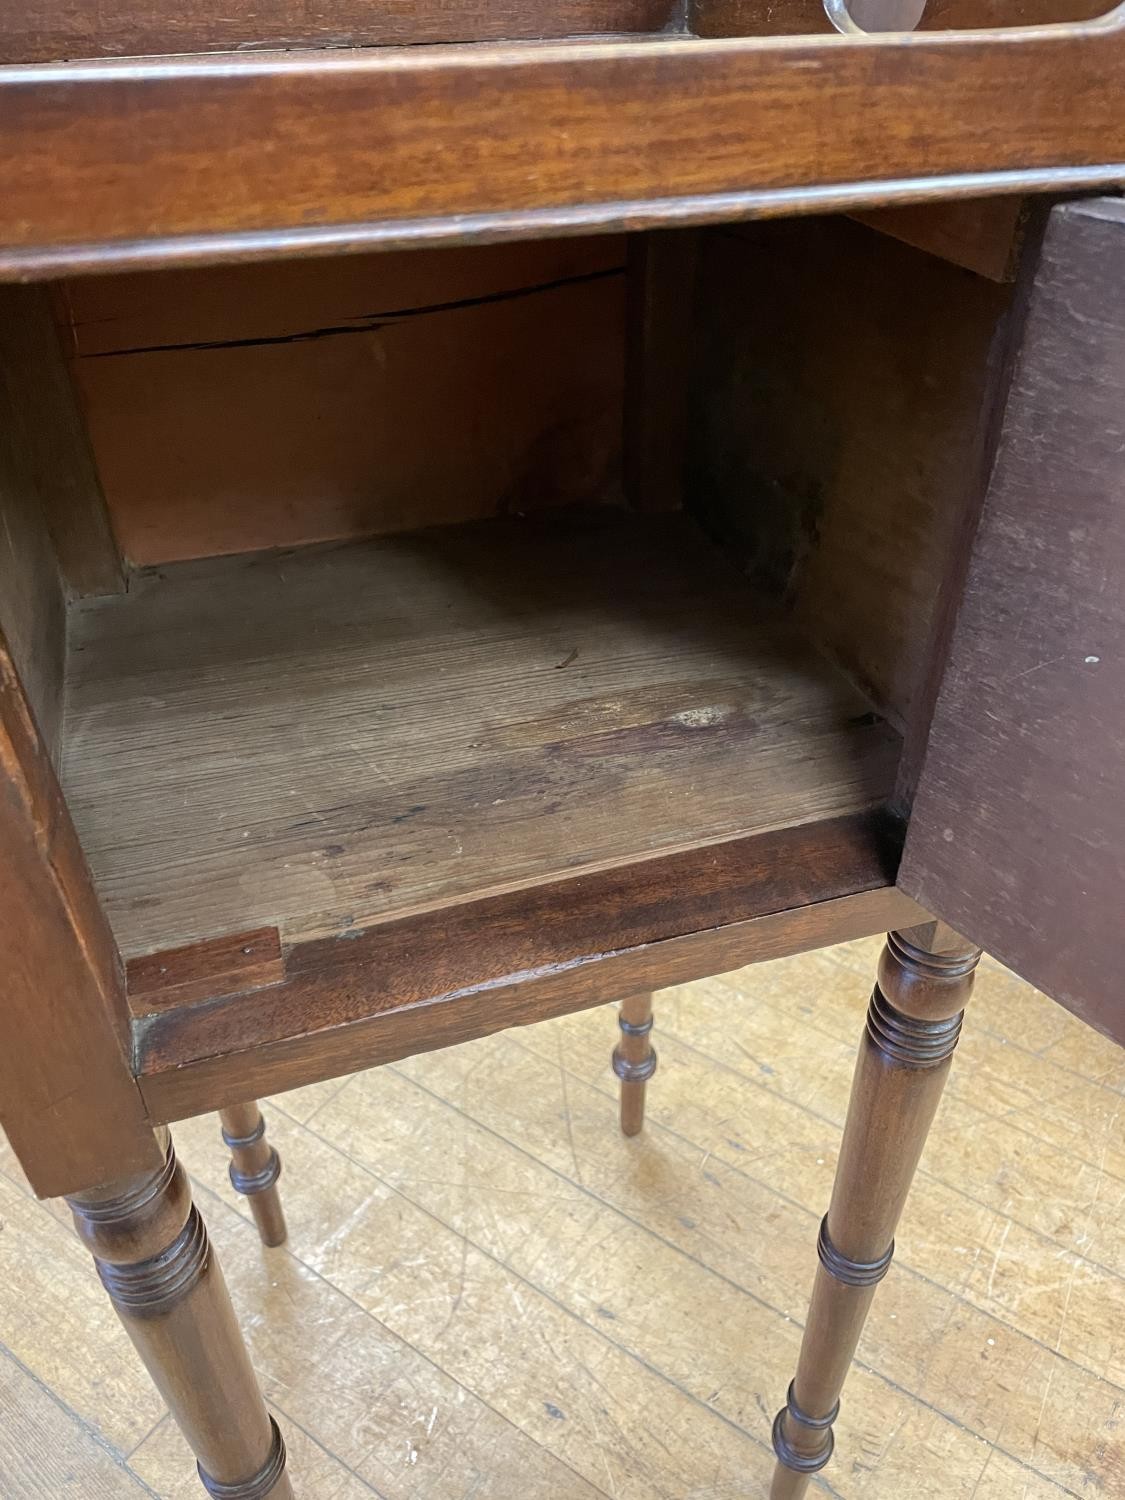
[397, 581]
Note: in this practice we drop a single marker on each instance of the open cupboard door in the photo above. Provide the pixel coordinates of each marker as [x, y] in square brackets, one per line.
[1017, 835]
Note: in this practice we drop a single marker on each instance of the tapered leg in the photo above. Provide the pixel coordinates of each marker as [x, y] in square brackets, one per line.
[152, 1253]
[254, 1169]
[634, 1060]
[913, 1023]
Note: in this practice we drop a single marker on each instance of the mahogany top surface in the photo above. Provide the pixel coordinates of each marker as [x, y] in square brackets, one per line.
[322, 739]
[139, 162]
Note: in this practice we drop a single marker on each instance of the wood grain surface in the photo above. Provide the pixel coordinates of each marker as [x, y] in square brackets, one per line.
[1019, 821]
[240, 408]
[320, 739]
[153, 162]
[45, 1451]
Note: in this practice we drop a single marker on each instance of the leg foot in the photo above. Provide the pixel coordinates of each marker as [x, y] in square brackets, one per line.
[634, 1060]
[913, 1023]
[152, 1253]
[254, 1169]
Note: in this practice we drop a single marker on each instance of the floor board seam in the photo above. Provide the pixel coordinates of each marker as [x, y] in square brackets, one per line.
[539, 1291]
[390, 1333]
[118, 1459]
[924, 1173]
[884, 1379]
[901, 1263]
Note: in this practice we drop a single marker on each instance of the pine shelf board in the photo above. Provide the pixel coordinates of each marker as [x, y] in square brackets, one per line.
[325, 739]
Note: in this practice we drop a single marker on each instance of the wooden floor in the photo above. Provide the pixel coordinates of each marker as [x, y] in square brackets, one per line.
[490, 1295]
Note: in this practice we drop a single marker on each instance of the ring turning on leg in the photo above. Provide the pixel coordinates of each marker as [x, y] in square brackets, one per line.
[254, 1169]
[634, 1060]
[152, 1253]
[913, 1024]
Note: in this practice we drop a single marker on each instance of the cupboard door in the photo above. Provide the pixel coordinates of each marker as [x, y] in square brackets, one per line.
[1017, 835]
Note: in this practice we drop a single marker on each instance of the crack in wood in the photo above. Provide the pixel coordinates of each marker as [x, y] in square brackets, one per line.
[369, 322]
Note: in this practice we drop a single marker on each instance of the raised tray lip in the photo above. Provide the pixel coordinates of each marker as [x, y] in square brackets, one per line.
[501, 54]
[127, 163]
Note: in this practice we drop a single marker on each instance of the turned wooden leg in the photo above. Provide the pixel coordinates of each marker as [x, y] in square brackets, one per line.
[634, 1060]
[153, 1256]
[914, 1020]
[254, 1169]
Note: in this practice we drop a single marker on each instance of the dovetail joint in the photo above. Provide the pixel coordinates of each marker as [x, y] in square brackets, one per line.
[907, 1040]
[851, 1272]
[149, 1288]
[249, 1183]
[260, 1485]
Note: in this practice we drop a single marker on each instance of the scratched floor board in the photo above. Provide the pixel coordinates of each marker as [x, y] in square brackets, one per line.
[488, 1293]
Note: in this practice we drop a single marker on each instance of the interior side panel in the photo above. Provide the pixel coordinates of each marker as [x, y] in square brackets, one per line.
[241, 408]
[839, 388]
